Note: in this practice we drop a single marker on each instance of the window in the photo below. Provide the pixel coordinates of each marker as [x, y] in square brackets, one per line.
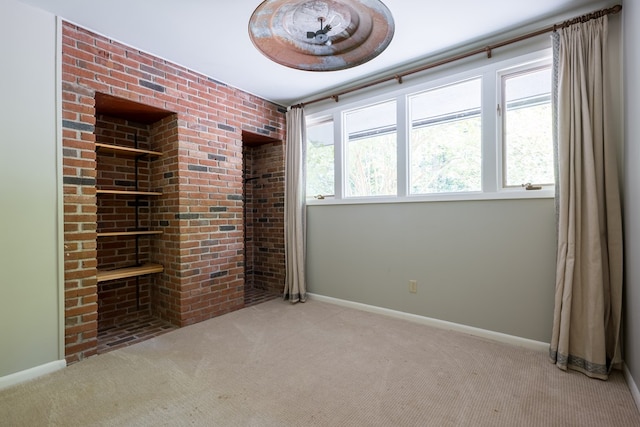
[527, 127]
[461, 133]
[371, 151]
[320, 159]
[446, 139]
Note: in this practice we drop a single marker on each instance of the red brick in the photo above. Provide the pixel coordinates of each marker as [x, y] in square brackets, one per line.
[92, 64]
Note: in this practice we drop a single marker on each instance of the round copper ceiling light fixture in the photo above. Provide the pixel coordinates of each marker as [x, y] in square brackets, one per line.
[321, 35]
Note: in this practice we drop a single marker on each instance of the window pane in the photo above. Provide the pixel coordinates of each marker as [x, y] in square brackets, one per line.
[446, 139]
[371, 151]
[528, 142]
[320, 152]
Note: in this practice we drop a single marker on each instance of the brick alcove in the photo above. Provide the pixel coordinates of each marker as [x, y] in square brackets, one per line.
[200, 175]
[264, 213]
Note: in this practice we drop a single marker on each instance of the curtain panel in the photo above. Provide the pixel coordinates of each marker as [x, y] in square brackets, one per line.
[588, 298]
[295, 207]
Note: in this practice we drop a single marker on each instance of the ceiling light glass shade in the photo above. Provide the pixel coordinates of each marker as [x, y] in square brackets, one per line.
[321, 35]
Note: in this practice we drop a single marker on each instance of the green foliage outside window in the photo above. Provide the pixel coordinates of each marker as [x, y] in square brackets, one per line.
[320, 173]
[371, 163]
[529, 146]
[446, 157]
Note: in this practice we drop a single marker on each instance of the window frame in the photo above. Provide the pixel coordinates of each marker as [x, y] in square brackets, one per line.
[520, 69]
[345, 140]
[490, 72]
[409, 128]
[319, 122]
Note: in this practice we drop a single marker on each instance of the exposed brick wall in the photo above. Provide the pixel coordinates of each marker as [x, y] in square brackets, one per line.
[79, 172]
[249, 216]
[167, 292]
[200, 176]
[264, 193]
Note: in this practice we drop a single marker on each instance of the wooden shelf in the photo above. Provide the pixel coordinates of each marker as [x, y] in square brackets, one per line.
[129, 192]
[123, 273]
[129, 233]
[125, 151]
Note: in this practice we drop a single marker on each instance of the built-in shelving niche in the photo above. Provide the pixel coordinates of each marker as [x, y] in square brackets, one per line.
[130, 176]
[263, 215]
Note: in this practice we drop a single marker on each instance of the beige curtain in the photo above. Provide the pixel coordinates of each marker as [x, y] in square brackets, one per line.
[294, 207]
[588, 299]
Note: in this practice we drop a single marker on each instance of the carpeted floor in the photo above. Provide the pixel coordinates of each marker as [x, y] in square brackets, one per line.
[317, 364]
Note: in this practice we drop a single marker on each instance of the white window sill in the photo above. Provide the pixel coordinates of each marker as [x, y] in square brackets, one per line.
[545, 193]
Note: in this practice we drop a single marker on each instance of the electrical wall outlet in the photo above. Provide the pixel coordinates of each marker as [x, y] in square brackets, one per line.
[413, 286]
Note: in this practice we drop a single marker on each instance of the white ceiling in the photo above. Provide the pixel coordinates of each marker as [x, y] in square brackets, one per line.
[211, 36]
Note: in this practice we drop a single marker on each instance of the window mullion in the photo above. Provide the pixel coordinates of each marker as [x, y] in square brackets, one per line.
[402, 142]
[339, 155]
[490, 134]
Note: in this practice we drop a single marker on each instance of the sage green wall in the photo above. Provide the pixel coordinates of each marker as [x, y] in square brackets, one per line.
[488, 264]
[29, 314]
[631, 16]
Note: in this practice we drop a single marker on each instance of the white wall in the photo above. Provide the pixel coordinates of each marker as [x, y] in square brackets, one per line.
[631, 17]
[29, 268]
[487, 264]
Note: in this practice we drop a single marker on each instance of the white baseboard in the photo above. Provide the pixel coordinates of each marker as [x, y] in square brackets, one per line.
[442, 324]
[633, 387]
[29, 374]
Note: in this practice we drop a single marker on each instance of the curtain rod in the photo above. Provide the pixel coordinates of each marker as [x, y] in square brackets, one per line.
[487, 50]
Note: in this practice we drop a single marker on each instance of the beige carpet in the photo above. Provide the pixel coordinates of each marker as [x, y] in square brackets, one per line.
[317, 364]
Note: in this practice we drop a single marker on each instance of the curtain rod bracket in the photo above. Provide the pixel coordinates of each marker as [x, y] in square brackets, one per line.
[488, 50]
[335, 98]
[398, 77]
